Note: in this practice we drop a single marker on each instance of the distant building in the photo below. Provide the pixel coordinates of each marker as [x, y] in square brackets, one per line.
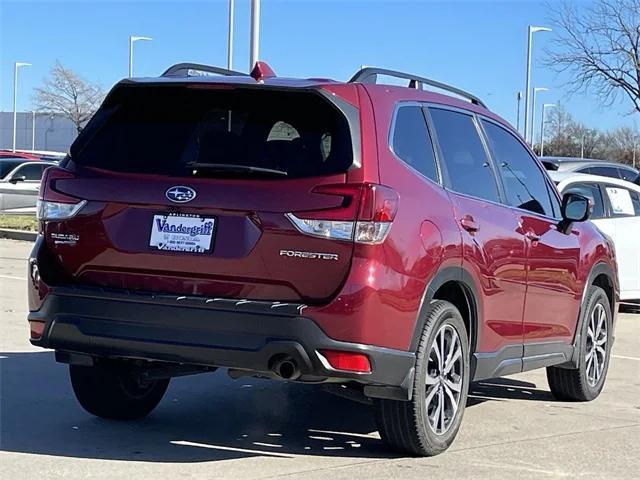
[53, 132]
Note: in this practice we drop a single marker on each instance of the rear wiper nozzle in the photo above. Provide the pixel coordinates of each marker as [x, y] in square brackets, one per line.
[225, 167]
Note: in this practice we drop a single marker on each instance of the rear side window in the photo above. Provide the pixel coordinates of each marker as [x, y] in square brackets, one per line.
[593, 193]
[524, 182]
[411, 141]
[464, 156]
[611, 172]
[197, 130]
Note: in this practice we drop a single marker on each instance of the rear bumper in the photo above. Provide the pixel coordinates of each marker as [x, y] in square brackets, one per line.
[216, 333]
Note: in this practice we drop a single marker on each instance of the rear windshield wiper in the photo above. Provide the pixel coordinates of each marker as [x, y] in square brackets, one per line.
[224, 167]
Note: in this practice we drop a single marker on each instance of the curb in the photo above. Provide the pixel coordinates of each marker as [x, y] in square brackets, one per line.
[23, 235]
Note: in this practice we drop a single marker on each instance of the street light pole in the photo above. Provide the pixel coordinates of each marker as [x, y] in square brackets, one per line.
[33, 130]
[255, 33]
[518, 99]
[532, 30]
[544, 107]
[16, 66]
[132, 40]
[230, 36]
[533, 113]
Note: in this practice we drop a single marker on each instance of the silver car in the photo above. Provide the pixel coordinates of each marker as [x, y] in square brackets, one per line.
[590, 166]
[19, 184]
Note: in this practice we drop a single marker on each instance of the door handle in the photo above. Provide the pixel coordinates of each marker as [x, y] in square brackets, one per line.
[533, 236]
[469, 224]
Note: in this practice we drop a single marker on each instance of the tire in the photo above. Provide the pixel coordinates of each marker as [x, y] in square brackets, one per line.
[115, 391]
[585, 382]
[408, 427]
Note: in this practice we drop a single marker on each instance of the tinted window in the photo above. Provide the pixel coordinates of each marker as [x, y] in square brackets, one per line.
[555, 202]
[7, 165]
[635, 198]
[411, 141]
[524, 182]
[605, 171]
[593, 193]
[469, 169]
[187, 132]
[31, 172]
[628, 175]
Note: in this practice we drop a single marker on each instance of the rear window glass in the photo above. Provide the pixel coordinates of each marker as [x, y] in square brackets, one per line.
[191, 131]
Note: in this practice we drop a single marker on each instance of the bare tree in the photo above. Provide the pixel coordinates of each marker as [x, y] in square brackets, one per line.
[587, 140]
[67, 94]
[621, 144]
[599, 46]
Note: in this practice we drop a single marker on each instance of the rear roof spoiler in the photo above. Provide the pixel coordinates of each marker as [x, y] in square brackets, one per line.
[370, 74]
[183, 69]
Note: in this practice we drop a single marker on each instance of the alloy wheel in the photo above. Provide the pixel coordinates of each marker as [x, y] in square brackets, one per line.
[596, 350]
[444, 379]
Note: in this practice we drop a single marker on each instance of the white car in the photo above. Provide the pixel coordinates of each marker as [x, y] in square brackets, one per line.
[19, 184]
[616, 211]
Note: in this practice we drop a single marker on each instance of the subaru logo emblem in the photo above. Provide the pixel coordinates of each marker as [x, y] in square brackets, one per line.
[180, 194]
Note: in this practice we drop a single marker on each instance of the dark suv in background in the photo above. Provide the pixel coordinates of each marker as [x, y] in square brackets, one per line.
[394, 240]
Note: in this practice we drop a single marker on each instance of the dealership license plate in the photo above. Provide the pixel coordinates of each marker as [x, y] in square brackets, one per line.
[182, 233]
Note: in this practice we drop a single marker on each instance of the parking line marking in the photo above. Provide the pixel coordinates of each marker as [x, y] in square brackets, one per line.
[12, 277]
[626, 358]
[230, 449]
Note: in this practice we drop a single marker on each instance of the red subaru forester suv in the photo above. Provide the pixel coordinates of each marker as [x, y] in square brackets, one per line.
[393, 240]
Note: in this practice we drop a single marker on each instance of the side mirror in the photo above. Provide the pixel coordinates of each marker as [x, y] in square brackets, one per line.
[15, 180]
[575, 208]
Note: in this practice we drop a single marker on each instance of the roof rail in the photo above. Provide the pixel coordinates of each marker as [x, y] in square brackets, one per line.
[369, 74]
[182, 69]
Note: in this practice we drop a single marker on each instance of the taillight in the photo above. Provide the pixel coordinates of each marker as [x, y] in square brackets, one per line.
[53, 205]
[364, 217]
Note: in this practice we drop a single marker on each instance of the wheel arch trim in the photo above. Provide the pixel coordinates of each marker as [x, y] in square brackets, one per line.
[464, 279]
[600, 268]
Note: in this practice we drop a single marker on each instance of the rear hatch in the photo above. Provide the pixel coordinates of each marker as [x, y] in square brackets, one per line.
[188, 186]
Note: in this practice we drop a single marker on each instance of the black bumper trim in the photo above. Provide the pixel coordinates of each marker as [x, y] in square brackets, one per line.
[110, 324]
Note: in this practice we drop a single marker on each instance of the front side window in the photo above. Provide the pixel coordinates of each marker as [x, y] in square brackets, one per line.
[635, 199]
[467, 164]
[411, 141]
[593, 193]
[29, 172]
[628, 175]
[524, 182]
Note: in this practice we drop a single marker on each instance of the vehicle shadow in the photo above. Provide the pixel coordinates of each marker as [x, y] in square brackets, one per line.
[500, 389]
[202, 418]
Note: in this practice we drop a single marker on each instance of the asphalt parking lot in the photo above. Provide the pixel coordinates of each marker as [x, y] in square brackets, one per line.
[209, 426]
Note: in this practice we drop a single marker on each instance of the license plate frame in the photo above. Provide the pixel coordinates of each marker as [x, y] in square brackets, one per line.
[182, 233]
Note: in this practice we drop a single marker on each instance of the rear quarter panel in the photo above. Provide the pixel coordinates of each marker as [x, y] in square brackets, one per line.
[386, 284]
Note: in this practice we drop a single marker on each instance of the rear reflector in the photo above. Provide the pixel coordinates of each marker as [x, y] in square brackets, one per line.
[347, 361]
[37, 328]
